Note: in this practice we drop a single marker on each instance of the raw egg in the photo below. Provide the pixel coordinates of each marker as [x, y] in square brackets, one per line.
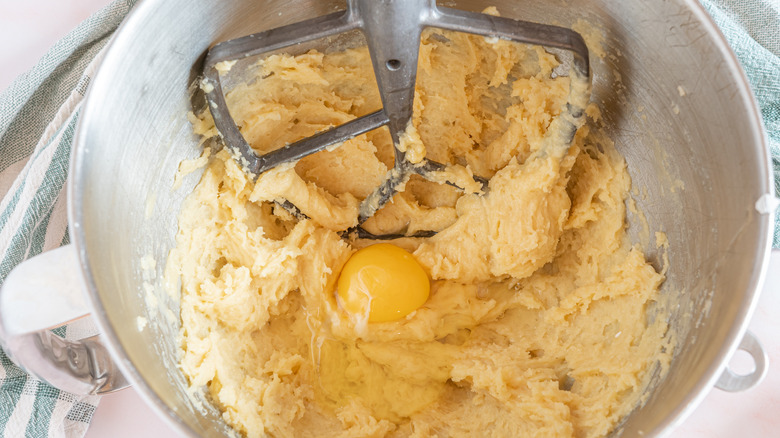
[384, 282]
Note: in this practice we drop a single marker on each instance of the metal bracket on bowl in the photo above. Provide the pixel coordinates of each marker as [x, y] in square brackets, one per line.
[44, 292]
[733, 382]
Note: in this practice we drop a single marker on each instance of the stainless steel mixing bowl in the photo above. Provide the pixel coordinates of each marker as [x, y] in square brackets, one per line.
[675, 101]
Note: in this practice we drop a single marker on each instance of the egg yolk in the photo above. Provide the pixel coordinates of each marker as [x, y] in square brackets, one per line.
[383, 281]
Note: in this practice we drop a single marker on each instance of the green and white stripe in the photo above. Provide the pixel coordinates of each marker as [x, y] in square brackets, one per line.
[38, 115]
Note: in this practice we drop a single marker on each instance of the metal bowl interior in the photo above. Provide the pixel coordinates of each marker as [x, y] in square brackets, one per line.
[699, 163]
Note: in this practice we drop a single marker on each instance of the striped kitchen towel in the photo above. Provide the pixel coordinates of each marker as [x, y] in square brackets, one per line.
[38, 116]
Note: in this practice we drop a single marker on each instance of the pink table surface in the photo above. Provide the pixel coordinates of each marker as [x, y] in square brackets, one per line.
[28, 28]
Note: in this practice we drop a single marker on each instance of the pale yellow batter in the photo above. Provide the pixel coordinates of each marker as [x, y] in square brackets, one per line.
[536, 322]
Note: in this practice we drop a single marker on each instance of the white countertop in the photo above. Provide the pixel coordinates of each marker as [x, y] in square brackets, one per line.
[28, 28]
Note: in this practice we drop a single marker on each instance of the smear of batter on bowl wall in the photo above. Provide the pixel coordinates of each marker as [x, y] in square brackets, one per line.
[536, 322]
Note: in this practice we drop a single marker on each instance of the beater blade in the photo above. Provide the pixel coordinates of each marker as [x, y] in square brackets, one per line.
[392, 30]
